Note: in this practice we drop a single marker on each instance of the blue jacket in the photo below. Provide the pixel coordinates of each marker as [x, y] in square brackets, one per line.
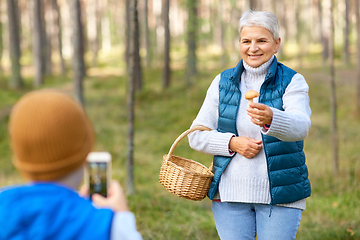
[48, 211]
[288, 174]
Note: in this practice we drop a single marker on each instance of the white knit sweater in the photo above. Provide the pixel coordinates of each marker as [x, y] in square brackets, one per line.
[246, 180]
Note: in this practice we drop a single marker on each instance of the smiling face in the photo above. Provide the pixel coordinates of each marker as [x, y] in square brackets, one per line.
[257, 45]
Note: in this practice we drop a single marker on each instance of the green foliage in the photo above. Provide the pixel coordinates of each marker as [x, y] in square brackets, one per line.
[332, 211]
[5, 162]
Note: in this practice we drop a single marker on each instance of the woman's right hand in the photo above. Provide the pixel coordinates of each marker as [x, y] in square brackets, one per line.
[245, 146]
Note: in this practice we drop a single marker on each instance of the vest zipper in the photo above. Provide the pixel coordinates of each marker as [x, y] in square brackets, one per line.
[267, 165]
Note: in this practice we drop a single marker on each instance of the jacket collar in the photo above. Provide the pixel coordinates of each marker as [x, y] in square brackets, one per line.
[272, 70]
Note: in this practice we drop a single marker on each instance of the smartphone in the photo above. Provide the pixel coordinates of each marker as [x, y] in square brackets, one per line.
[98, 172]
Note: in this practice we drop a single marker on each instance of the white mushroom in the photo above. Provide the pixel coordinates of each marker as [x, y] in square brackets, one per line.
[250, 95]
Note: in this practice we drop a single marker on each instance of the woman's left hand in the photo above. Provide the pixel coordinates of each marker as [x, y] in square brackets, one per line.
[260, 114]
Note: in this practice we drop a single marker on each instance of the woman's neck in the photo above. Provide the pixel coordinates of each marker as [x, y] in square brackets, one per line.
[252, 72]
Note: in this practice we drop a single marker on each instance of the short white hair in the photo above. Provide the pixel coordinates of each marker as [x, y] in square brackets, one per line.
[263, 19]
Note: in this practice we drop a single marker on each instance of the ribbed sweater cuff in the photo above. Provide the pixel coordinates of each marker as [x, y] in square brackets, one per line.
[219, 144]
[280, 124]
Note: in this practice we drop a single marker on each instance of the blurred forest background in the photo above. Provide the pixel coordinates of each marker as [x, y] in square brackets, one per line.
[141, 69]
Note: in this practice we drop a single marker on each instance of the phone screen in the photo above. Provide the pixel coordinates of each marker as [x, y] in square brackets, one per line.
[98, 173]
[98, 178]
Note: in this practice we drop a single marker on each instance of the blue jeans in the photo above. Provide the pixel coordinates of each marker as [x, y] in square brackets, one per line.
[239, 221]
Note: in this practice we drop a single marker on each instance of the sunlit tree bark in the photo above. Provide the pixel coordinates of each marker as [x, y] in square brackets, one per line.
[105, 29]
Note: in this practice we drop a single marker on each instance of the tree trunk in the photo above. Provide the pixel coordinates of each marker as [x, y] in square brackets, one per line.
[253, 4]
[83, 36]
[92, 29]
[299, 31]
[147, 35]
[105, 32]
[46, 35]
[78, 63]
[138, 74]
[127, 30]
[99, 13]
[58, 33]
[132, 27]
[192, 25]
[282, 10]
[222, 34]
[48, 53]
[166, 70]
[333, 110]
[158, 28]
[233, 52]
[26, 25]
[38, 44]
[357, 13]
[1, 39]
[132, 52]
[324, 38]
[14, 44]
[346, 32]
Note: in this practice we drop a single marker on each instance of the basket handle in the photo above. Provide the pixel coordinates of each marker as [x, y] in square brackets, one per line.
[195, 128]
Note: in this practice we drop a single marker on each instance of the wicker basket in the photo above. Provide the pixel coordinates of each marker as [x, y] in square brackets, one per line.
[184, 177]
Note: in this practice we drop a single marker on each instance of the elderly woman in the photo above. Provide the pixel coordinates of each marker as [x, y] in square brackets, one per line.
[260, 182]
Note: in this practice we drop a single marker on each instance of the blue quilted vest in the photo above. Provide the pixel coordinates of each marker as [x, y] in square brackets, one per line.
[288, 174]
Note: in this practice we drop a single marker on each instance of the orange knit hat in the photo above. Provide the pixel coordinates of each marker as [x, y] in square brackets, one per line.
[50, 135]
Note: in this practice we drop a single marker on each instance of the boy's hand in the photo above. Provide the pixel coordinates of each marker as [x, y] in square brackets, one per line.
[115, 200]
[84, 191]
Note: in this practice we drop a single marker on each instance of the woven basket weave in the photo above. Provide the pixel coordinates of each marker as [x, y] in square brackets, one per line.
[184, 177]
